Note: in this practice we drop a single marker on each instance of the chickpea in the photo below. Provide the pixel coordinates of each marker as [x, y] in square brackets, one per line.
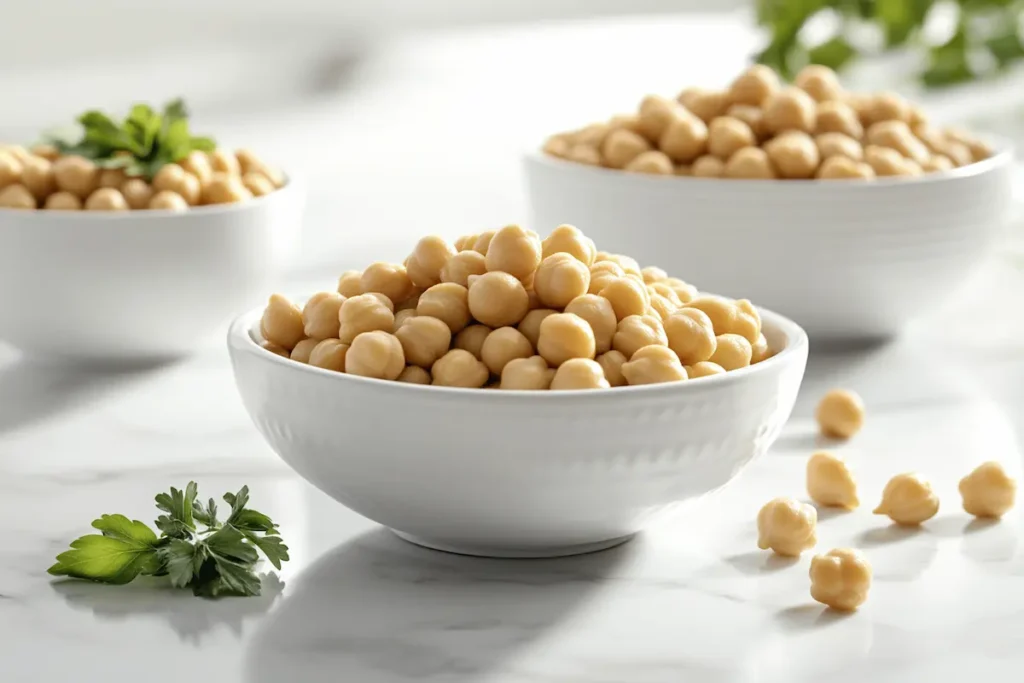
[750, 163]
[329, 354]
[628, 264]
[174, 178]
[790, 109]
[820, 82]
[198, 164]
[10, 168]
[168, 201]
[568, 239]
[76, 175]
[897, 135]
[908, 499]
[413, 374]
[320, 315]
[747, 322]
[275, 349]
[472, 339]
[830, 483]
[691, 336]
[579, 373]
[527, 374]
[428, 260]
[223, 161]
[106, 199]
[592, 135]
[630, 122]
[685, 139]
[838, 117]
[137, 193]
[350, 283]
[754, 86]
[637, 331]
[37, 176]
[760, 350]
[17, 196]
[424, 340]
[602, 273]
[684, 292]
[627, 296]
[248, 163]
[840, 414]
[223, 189]
[560, 279]
[376, 354]
[886, 161]
[363, 313]
[303, 350]
[732, 352]
[837, 144]
[703, 369]
[515, 251]
[886, 107]
[661, 306]
[48, 152]
[595, 310]
[727, 135]
[793, 154]
[655, 114]
[705, 104]
[282, 323]
[497, 299]
[389, 279]
[459, 368]
[750, 115]
[988, 491]
[652, 162]
[937, 163]
[530, 324]
[112, 177]
[787, 527]
[502, 346]
[737, 317]
[978, 148]
[257, 183]
[483, 242]
[844, 168]
[653, 364]
[402, 316]
[622, 146]
[652, 274]
[840, 579]
[461, 265]
[465, 243]
[707, 166]
[957, 152]
[564, 336]
[63, 201]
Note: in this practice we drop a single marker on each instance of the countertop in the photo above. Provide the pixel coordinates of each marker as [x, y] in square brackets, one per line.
[691, 599]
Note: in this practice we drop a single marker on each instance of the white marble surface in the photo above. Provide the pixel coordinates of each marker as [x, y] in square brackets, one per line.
[692, 599]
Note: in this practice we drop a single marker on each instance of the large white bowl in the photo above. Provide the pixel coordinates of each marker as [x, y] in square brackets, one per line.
[844, 259]
[138, 286]
[515, 474]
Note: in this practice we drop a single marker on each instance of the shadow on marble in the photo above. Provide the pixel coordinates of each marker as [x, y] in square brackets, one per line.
[826, 513]
[809, 616]
[153, 599]
[759, 562]
[885, 535]
[377, 609]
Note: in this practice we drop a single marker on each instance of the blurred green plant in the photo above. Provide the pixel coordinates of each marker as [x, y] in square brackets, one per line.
[985, 40]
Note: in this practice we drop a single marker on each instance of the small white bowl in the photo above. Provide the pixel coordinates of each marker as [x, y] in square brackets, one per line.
[515, 474]
[138, 286]
[844, 259]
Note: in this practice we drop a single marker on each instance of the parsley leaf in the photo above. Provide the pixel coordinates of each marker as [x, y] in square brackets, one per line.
[179, 522]
[124, 550]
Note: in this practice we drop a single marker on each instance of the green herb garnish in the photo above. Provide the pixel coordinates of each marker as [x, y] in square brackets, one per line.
[217, 559]
[141, 144]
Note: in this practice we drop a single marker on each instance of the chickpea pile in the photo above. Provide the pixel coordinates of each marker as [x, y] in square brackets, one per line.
[41, 178]
[508, 310]
[761, 128]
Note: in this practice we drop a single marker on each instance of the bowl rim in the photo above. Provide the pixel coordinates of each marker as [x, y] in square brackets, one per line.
[241, 339]
[1003, 155]
[293, 185]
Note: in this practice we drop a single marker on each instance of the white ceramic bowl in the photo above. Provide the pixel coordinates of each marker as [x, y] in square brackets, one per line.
[844, 259]
[138, 286]
[515, 474]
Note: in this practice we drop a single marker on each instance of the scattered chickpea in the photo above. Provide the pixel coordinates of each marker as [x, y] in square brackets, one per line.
[787, 527]
[329, 354]
[840, 579]
[652, 162]
[363, 313]
[790, 109]
[634, 332]
[705, 104]
[106, 199]
[168, 201]
[754, 86]
[830, 483]
[837, 144]
[732, 352]
[691, 336]
[497, 299]
[579, 373]
[282, 323]
[627, 296]
[707, 166]
[727, 135]
[653, 365]
[596, 310]
[844, 168]
[622, 146]
[303, 350]
[988, 491]
[63, 201]
[751, 163]
[459, 368]
[793, 154]
[840, 413]
[611, 362]
[17, 196]
[76, 175]
[515, 251]
[685, 139]
[820, 82]
[472, 339]
[703, 369]
[390, 279]
[502, 346]
[223, 189]
[527, 374]
[908, 499]
[564, 336]
[376, 354]
[655, 114]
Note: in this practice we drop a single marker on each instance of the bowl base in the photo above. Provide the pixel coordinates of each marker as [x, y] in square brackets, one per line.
[516, 552]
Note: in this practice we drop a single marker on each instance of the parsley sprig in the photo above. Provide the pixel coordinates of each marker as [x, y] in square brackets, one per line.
[194, 548]
[141, 144]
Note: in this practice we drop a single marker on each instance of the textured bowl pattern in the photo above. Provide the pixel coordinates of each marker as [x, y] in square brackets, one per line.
[515, 473]
[844, 259]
